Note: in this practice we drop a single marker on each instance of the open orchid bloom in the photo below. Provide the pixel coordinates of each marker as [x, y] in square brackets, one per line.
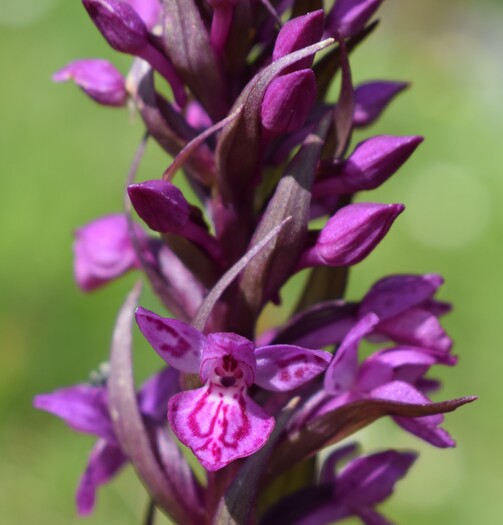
[219, 421]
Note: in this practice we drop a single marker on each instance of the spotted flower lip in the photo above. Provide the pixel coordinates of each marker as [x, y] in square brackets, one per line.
[219, 421]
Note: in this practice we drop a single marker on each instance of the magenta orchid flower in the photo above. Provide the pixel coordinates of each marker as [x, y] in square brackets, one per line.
[220, 422]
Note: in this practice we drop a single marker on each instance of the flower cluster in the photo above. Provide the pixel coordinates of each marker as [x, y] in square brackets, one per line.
[250, 124]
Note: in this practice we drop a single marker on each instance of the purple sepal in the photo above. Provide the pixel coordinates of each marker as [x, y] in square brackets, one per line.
[160, 204]
[369, 480]
[426, 427]
[288, 101]
[98, 78]
[394, 294]
[119, 23]
[351, 234]
[83, 407]
[372, 163]
[372, 98]
[349, 17]
[104, 463]
[103, 251]
[178, 343]
[360, 485]
[417, 327]
[297, 33]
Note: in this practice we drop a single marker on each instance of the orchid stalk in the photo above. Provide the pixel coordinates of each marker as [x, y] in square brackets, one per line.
[250, 128]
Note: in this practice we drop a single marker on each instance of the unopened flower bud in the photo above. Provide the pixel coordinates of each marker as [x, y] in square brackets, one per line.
[351, 234]
[160, 204]
[288, 100]
[298, 33]
[99, 79]
[125, 31]
[119, 23]
[349, 17]
[372, 162]
[372, 98]
[103, 251]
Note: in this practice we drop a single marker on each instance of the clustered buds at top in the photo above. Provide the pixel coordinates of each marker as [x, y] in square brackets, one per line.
[264, 151]
[99, 79]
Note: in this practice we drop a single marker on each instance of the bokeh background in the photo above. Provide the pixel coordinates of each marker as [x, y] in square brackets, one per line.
[63, 162]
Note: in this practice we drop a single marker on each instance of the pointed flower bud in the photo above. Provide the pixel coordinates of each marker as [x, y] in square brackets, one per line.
[164, 208]
[98, 78]
[349, 17]
[160, 204]
[351, 234]
[119, 23]
[298, 33]
[372, 98]
[103, 251]
[125, 31]
[288, 101]
[372, 162]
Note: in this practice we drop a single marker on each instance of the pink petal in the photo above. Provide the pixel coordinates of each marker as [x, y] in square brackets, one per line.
[219, 424]
[175, 341]
[285, 367]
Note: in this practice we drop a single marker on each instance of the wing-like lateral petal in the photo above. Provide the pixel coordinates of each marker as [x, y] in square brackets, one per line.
[285, 367]
[178, 343]
[82, 407]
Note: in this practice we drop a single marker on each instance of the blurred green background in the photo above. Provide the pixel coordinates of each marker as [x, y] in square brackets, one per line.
[63, 162]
